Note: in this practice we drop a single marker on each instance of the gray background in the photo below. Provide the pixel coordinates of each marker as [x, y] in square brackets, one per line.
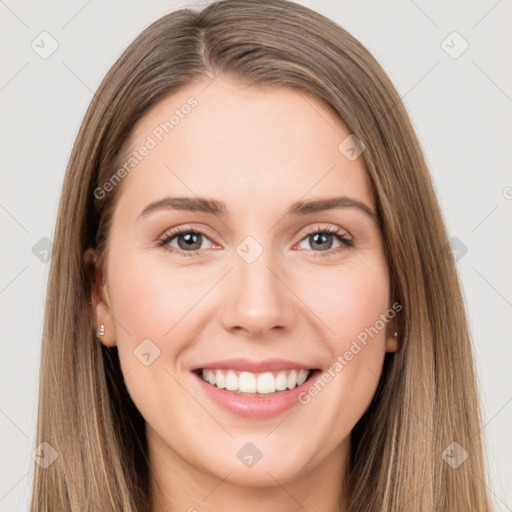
[459, 106]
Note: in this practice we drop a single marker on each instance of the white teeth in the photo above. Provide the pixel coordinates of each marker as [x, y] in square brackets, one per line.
[291, 381]
[231, 380]
[248, 382]
[301, 377]
[220, 380]
[281, 381]
[266, 383]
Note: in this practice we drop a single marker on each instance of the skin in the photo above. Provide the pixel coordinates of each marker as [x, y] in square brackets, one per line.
[258, 151]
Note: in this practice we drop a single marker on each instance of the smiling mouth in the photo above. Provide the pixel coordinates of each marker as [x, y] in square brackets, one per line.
[252, 384]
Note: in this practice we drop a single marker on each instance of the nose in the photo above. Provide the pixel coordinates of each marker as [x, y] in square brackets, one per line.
[259, 300]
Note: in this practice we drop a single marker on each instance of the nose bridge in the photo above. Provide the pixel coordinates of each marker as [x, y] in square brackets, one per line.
[257, 299]
[255, 276]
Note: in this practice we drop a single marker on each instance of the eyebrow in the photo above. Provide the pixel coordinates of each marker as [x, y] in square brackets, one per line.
[217, 208]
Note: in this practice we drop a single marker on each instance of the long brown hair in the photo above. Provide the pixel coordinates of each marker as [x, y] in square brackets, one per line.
[427, 396]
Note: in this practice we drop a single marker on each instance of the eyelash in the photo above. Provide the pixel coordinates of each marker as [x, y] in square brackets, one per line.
[346, 243]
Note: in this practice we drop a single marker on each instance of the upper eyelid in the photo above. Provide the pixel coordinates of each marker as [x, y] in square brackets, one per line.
[173, 232]
[318, 228]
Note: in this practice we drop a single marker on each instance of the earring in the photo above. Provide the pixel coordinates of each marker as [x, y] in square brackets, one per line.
[101, 330]
[395, 334]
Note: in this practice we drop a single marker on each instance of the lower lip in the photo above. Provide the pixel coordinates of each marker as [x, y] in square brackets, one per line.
[256, 407]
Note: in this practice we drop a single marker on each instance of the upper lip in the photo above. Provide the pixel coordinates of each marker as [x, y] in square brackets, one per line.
[266, 365]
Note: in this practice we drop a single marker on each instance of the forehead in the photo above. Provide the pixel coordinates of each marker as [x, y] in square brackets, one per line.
[242, 145]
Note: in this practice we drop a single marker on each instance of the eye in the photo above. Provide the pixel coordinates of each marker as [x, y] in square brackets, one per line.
[189, 241]
[322, 239]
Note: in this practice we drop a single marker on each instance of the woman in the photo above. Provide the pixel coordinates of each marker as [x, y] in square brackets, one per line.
[251, 304]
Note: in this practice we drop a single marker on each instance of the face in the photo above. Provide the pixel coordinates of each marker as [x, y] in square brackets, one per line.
[259, 292]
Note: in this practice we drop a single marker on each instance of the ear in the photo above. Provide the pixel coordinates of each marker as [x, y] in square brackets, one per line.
[100, 300]
[391, 340]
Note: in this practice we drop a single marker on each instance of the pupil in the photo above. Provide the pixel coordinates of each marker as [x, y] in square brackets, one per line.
[323, 236]
[190, 239]
[319, 239]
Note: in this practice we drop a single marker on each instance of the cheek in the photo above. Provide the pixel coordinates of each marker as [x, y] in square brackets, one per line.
[153, 307]
[171, 306]
[151, 299]
[350, 298]
[352, 302]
